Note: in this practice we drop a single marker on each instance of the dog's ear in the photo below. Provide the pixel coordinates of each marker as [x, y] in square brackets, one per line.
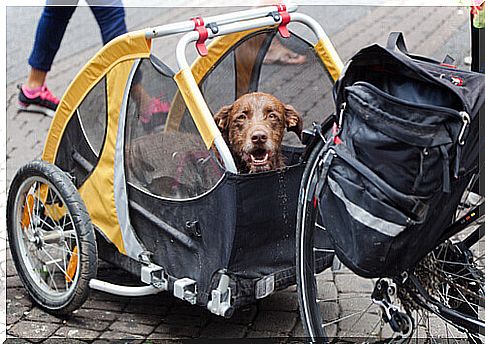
[293, 120]
[221, 117]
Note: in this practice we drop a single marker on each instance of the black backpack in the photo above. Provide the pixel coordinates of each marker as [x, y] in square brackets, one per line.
[403, 150]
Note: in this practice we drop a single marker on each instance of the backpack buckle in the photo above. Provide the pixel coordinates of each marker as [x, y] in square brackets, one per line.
[340, 118]
[465, 117]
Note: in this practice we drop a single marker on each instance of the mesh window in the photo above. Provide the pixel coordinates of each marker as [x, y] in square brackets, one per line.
[164, 153]
[92, 116]
[306, 86]
[219, 88]
[83, 138]
[261, 63]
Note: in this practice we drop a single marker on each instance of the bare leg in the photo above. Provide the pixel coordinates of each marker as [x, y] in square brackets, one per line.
[36, 78]
[278, 53]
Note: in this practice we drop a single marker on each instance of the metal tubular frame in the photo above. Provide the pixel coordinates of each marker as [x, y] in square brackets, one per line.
[233, 27]
[227, 24]
[219, 20]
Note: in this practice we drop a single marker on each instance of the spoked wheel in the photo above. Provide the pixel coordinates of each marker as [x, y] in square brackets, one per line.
[340, 304]
[51, 237]
[453, 275]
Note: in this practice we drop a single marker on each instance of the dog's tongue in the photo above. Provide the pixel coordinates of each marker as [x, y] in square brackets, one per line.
[258, 161]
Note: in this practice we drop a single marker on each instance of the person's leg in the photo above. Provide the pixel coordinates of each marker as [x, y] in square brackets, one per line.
[50, 31]
[33, 94]
[111, 20]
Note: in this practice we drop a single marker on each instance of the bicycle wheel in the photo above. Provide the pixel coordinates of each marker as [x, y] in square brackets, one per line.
[338, 303]
[452, 276]
[51, 237]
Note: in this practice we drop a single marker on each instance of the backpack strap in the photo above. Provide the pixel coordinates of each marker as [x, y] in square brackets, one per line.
[396, 40]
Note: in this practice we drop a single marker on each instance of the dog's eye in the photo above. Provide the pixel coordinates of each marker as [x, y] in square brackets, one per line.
[272, 115]
[241, 117]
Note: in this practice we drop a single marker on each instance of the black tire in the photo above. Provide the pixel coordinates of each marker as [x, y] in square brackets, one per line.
[36, 235]
[305, 263]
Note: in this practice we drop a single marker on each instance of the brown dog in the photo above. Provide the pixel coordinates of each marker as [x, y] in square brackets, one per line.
[253, 127]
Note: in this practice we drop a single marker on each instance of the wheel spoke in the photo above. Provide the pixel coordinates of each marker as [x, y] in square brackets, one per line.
[58, 266]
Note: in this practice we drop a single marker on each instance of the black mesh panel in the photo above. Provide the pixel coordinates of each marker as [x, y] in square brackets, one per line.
[306, 86]
[84, 135]
[165, 154]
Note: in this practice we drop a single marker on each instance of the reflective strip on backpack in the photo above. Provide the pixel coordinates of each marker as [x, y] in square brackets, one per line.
[363, 216]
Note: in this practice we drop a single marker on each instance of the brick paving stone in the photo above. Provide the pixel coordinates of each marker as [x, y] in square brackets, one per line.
[14, 282]
[244, 316]
[223, 330]
[57, 339]
[79, 333]
[120, 336]
[32, 330]
[92, 303]
[132, 327]
[11, 271]
[160, 338]
[144, 309]
[183, 319]
[37, 314]
[327, 291]
[187, 330]
[325, 276]
[14, 314]
[100, 296]
[263, 334]
[280, 301]
[329, 310]
[183, 307]
[356, 302]
[272, 321]
[98, 314]
[88, 323]
[298, 331]
[347, 283]
[18, 296]
[363, 328]
[147, 319]
[14, 340]
[162, 299]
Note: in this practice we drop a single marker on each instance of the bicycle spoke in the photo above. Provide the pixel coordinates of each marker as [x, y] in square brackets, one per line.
[54, 262]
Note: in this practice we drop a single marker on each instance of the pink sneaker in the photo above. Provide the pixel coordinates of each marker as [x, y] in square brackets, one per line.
[39, 99]
[153, 107]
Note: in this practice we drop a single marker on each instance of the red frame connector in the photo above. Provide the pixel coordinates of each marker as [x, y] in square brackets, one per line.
[203, 34]
[285, 19]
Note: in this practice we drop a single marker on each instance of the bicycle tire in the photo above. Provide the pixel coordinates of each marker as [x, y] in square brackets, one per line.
[39, 238]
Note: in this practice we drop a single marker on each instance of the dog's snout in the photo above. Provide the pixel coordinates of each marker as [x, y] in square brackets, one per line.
[259, 136]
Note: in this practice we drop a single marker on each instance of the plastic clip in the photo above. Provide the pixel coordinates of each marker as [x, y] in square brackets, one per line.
[203, 34]
[285, 19]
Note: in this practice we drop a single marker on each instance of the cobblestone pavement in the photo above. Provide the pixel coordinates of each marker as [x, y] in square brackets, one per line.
[429, 31]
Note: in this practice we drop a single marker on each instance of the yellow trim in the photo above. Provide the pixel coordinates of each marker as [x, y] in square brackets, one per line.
[129, 46]
[329, 57]
[197, 106]
[217, 48]
[97, 191]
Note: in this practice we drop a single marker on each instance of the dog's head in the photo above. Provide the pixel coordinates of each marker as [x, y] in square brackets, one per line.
[253, 126]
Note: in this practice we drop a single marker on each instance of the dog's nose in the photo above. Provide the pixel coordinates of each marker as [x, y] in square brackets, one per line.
[259, 137]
